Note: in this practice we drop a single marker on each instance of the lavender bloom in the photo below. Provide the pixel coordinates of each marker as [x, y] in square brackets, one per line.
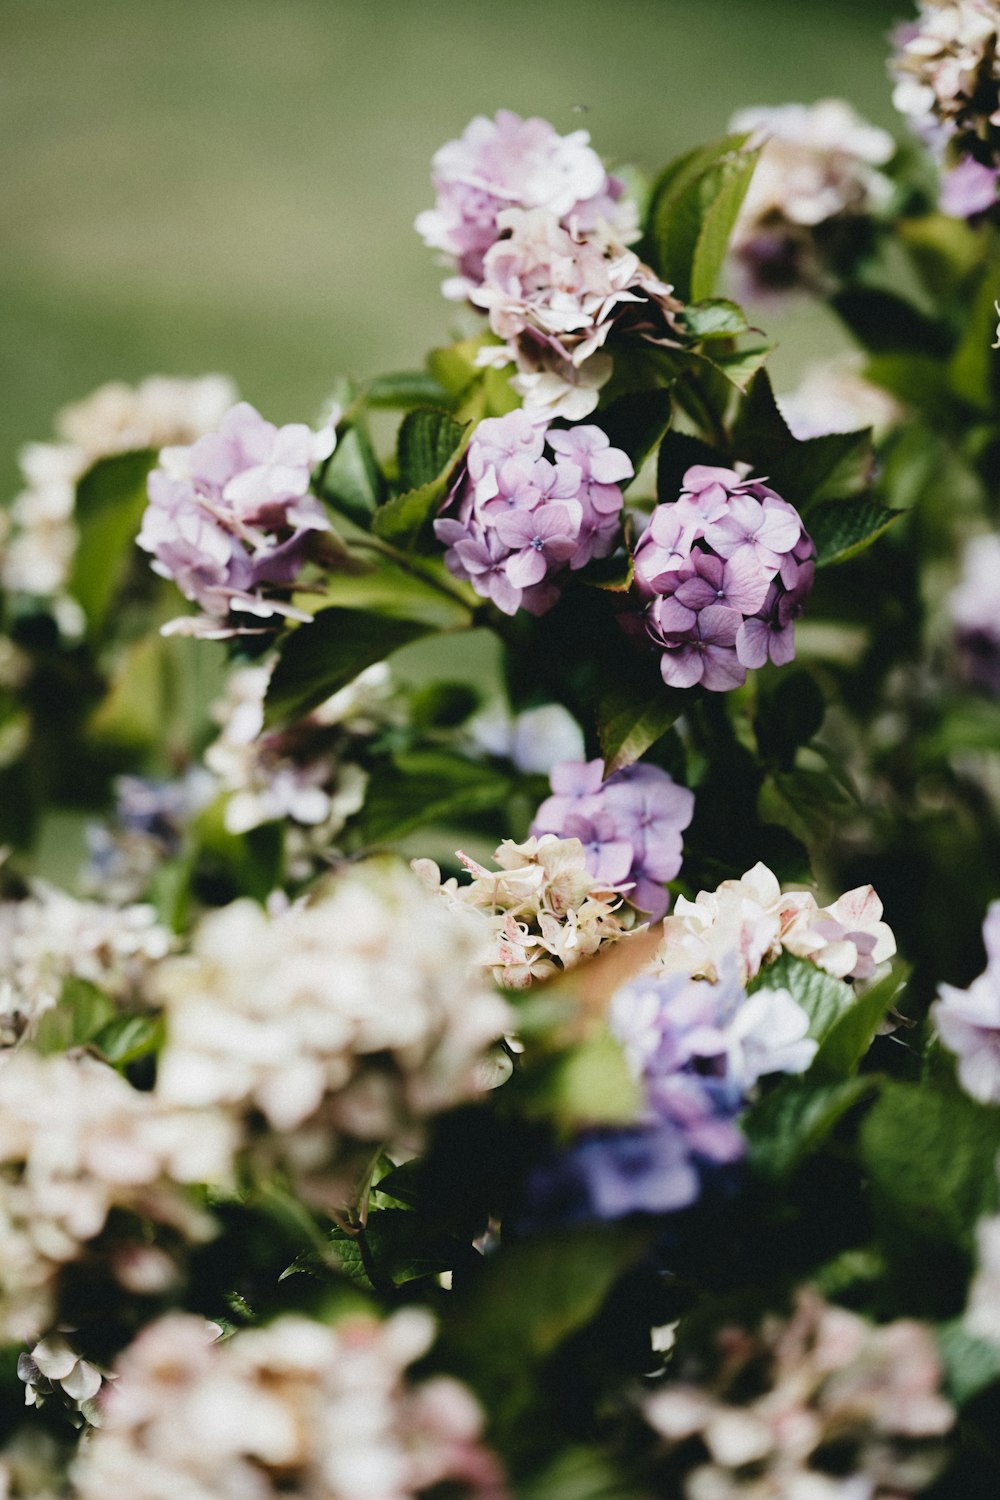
[969, 189]
[509, 162]
[947, 70]
[230, 519]
[968, 1021]
[515, 519]
[640, 811]
[724, 572]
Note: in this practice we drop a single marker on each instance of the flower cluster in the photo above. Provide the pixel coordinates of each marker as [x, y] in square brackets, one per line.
[50, 937]
[515, 520]
[544, 909]
[303, 773]
[755, 920]
[947, 71]
[968, 1021]
[555, 299]
[833, 395]
[972, 606]
[817, 173]
[285, 1013]
[630, 826]
[512, 163]
[724, 571]
[53, 1367]
[293, 1409]
[230, 519]
[539, 234]
[777, 1404]
[76, 1140]
[116, 418]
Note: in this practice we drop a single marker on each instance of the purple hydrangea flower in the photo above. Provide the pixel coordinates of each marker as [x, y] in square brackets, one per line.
[724, 572]
[969, 189]
[640, 811]
[230, 518]
[509, 162]
[968, 1021]
[516, 519]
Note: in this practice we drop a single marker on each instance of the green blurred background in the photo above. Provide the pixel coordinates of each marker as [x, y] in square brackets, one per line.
[196, 185]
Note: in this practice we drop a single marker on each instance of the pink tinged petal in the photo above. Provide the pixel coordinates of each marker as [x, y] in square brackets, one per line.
[701, 476]
[650, 897]
[681, 666]
[539, 599]
[667, 616]
[752, 642]
[526, 568]
[719, 625]
[606, 499]
[782, 646]
[577, 778]
[746, 584]
[780, 528]
[723, 669]
[504, 594]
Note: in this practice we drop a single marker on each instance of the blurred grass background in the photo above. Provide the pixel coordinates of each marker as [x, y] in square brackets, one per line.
[196, 185]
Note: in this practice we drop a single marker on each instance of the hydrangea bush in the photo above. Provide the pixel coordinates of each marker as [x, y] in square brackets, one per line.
[500, 990]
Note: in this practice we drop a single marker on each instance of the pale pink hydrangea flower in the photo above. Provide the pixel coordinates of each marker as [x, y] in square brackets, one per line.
[230, 519]
[297, 1407]
[833, 396]
[764, 1405]
[947, 73]
[819, 168]
[555, 299]
[968, 1021]
[53, 1366]
[753, 918]
[509, 162]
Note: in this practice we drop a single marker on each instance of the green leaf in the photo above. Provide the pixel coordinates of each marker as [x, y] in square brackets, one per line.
[678, 453]
[842, 529]
[419, 788]
[428, 441]
[636, 423]
[674, 178]
[809, 803]
[788, 716]
[589, 1085]
[394, 593]
[970, 1364]
[126, 1038]
[628, 722]
[972, 371]
[930, 1158]
[395, 1246]
[110, 501]
[693, 219]
[581, 1474]
[728, 183]
[317, 660]
[853, 1032]
[794, 1119]
[78, 1017]
[830, 467]
[407, 520]
[716, 318]
[352, 481]
[822, 997]
[742, 365]
[885, 323]
[405, 390]
[760, 432]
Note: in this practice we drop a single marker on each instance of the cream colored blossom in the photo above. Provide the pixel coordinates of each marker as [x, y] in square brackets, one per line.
[38, 555]
[540, 912]
[50, 937]
[344, 1020]
[76, 1140]
[293, 1409]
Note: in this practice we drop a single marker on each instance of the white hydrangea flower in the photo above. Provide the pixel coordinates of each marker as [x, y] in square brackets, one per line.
[53, 1364]
[77, 1140]
[37, 558]
[833, 396]
[50, 937]
[295, 1408]
[345, 1019]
